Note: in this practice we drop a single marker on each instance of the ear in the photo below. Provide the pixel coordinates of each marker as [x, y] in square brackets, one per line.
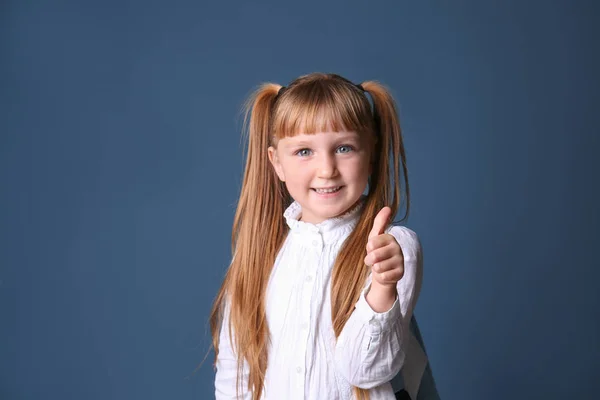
[274, 159]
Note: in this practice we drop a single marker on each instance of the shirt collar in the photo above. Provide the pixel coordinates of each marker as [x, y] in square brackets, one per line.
[330, 228]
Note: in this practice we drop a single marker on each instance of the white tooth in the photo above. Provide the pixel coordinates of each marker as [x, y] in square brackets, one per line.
[328, 190]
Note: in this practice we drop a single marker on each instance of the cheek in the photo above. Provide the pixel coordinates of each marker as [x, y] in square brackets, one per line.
[358, 169]
[295, 171]
[363, 178]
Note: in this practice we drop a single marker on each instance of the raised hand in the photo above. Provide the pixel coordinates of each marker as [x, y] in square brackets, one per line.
[384, 254]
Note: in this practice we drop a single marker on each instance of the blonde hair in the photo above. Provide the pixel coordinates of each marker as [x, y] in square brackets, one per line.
[312, 103]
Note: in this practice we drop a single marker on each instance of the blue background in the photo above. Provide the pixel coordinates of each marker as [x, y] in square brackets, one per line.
[121, 162]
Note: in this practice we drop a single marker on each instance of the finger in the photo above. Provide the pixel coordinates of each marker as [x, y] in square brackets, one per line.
[380, 222]
[380, 254]
[395, 262]
[379, 241]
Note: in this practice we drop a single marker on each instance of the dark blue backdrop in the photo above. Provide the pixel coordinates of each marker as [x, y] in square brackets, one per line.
[120, 163]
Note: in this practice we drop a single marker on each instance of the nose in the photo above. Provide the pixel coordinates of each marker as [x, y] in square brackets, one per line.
[327, 167]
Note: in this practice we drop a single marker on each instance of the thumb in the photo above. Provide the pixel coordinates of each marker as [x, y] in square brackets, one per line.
[380, 222]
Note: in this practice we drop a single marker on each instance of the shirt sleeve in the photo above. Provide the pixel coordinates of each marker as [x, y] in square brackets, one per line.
[371, 349]
[227, 367]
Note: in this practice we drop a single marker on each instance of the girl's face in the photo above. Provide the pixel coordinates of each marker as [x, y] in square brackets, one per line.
[325, 160]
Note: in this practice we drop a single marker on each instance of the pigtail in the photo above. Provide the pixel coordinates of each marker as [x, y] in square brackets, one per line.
[262, 191]
[257, 234]
[349, 272]
[390, 145]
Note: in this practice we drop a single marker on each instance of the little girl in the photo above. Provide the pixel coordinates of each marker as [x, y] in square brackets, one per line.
[318, 300]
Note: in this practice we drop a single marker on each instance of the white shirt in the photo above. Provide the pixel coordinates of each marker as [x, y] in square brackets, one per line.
[304, 359]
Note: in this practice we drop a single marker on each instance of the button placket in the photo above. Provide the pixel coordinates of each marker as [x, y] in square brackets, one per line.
[308, 297]
[308, 286]
[317, 242]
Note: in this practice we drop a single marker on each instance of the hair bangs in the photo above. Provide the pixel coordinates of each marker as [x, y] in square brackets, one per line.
[320, 107]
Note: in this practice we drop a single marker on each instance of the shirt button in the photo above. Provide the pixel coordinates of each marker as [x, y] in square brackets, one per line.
[304, 326]
[298, 370]
[308, 278]
[315, 243]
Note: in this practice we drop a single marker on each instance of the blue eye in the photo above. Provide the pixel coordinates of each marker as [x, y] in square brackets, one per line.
[300, 152]
[350, 148]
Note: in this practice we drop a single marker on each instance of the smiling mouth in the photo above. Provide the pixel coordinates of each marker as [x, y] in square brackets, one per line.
[328, 190]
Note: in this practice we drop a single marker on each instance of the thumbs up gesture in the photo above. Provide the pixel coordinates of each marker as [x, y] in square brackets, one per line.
[384, 254]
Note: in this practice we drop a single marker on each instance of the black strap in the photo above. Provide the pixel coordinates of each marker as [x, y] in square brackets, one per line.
[402, 395]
